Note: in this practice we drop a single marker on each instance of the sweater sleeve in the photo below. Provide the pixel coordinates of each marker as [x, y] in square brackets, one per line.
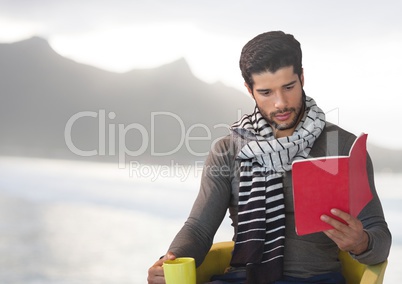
[374, 224]
[196, 236]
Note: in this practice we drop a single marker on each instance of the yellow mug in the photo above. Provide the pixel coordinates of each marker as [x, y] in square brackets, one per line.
[180, 271]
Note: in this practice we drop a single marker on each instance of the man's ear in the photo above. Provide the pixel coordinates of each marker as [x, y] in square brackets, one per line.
[302, 78]
[249, 90]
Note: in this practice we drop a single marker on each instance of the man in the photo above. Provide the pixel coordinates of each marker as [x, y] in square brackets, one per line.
[249, 173]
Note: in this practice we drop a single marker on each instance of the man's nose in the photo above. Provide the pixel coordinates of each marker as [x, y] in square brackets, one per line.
[280, 100]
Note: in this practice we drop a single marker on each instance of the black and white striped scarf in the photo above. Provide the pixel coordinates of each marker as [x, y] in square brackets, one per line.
[261, 219]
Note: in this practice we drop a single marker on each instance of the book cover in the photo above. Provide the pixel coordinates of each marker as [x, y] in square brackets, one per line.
[320, 184]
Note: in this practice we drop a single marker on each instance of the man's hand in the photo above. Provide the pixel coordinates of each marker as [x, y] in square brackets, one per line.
[350, 236]
[155, 272]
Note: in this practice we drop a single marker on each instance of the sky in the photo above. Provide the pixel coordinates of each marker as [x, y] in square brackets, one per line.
[351, 49]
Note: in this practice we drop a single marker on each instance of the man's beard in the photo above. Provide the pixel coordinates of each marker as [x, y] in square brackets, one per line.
[283, 126]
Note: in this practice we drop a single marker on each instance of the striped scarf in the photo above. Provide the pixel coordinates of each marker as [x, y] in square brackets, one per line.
[261, 219]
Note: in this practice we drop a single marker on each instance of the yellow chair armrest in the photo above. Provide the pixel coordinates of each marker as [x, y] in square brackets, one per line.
[374, 274]
[356, 272]
[216, 261]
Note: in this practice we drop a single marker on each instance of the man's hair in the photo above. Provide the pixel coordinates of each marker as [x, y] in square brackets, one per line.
[270, 51]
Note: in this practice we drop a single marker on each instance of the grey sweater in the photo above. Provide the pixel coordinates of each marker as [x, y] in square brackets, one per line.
[306, 255]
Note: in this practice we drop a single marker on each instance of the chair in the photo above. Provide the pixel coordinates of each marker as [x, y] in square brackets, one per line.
[218, 259]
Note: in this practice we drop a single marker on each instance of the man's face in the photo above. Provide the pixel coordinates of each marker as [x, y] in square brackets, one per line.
[279, 98]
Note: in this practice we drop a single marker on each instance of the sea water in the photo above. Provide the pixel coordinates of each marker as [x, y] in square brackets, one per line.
[84, 222]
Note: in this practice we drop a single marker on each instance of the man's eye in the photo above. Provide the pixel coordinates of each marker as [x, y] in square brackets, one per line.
[290, 87]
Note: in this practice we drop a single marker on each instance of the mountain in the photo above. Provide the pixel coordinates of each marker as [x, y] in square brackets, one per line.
[55, 107]
[385, 160]
[152, 115]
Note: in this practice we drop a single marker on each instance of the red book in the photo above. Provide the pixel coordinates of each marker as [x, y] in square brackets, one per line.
[320, 184]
